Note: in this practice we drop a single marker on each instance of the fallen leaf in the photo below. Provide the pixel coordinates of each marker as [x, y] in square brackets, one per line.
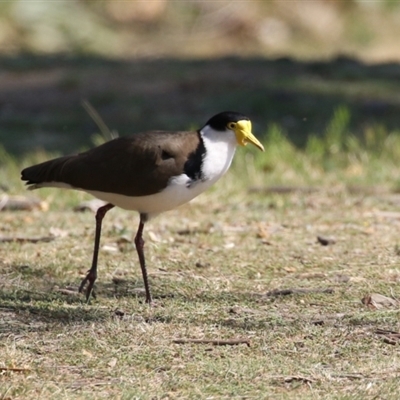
[263, 233]
[357, 279]
[377, 301]
[112, 363]
[154, 237]
[325, 241]
[341, 278]
[110, 248]
[124, 239]
[87, 353]
[202, 265]
[241, 310]
[57, 232]
[119, 313]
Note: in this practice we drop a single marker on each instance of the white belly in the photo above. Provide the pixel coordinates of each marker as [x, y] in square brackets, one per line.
[175, 194]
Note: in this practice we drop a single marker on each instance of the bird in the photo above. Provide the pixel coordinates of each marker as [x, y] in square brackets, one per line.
[148, 172]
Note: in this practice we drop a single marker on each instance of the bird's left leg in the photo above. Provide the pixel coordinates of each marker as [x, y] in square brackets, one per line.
[92, 274]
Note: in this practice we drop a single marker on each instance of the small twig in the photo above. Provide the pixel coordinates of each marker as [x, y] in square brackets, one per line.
[68, 292]
[105, 131]
[391, 341]
[282, 189]
[349, 376]
[286, 292]
[389, 337]
[193, 231]
[46, 239]
[14, 369]
[292, 378]
[215, 342]
[298, 378]
[380, 331]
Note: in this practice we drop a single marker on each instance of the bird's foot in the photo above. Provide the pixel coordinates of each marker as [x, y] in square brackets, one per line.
[91, 278]
[150, 302]
[153, 303]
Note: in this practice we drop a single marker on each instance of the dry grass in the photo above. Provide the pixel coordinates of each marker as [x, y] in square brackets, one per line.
[211, 265]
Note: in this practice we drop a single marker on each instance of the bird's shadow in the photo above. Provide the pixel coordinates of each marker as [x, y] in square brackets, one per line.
[59, 303]
[23, 310]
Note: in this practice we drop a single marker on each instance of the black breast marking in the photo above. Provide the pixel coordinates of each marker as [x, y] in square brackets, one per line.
[192, 167]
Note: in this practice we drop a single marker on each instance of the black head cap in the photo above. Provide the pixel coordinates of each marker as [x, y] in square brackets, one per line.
[221, 120]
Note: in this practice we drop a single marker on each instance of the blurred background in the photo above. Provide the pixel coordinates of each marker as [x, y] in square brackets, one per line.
[165, 64]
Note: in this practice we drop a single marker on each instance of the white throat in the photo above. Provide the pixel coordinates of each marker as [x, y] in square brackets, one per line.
[220, 149]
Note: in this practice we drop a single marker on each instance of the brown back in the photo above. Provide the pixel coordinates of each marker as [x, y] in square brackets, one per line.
[138, 165]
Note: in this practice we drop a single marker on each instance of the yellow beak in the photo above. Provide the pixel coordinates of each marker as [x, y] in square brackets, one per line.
[244, 135]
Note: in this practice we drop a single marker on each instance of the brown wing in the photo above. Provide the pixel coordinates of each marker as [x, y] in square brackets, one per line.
[138, 165]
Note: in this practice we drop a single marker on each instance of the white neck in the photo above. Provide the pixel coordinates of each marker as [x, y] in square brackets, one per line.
[220, 149]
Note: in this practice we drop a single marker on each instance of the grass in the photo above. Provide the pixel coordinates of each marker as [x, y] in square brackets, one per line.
[211, 265]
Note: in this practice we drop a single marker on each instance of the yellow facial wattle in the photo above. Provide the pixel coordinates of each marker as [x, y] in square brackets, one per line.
[244, 135]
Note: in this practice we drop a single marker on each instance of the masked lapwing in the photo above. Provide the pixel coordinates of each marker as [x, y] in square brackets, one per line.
[148, 172]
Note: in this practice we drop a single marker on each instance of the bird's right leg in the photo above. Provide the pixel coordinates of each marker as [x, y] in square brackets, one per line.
[139, 243]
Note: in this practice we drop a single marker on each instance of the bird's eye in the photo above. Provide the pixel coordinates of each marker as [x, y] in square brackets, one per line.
[231, 125]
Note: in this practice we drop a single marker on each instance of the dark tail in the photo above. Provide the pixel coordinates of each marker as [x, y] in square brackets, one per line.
[46, 172]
